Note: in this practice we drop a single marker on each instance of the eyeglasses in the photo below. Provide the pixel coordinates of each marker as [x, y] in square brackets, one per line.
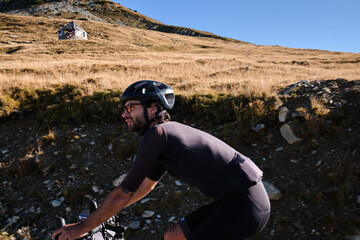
[129, 108]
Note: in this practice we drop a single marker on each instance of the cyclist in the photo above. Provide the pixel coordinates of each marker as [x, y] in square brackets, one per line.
[241, 206]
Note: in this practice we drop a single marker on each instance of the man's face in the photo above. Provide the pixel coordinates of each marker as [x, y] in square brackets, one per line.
[134, 115]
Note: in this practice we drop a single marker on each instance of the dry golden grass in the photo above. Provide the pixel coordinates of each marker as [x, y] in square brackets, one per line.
[116, 56]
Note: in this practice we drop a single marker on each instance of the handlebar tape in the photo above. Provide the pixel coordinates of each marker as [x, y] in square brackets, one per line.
[92, 206]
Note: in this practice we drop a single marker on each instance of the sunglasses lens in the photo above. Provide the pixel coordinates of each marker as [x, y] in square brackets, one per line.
[129, 108]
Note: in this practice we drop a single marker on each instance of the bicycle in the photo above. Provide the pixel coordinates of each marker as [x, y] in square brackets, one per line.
[108, 230]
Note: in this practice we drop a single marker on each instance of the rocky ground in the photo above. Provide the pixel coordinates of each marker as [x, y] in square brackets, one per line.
[56, 8]
[50, 170]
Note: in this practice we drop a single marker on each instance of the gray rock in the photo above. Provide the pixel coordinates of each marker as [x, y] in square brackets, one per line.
[279, 149]
[135, 225]
[117, 181]
[95, 188]
[147, 214]
[283, 114]
[3, 152]
[178, 183]
[110, 147]
[288, 134]
[258, 127]
[55, 203]
[172, 219]
[272, 191]
[14, 219]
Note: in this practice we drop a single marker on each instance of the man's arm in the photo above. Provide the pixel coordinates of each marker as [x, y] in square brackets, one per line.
[118, 199]
[113, 203]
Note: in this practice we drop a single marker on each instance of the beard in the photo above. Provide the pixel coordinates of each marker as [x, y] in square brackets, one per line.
[138, 125]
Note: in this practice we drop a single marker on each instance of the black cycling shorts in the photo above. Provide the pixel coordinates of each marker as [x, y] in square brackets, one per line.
[235, 216]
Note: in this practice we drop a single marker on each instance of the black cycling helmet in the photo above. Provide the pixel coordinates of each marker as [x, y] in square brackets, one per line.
[147, 90]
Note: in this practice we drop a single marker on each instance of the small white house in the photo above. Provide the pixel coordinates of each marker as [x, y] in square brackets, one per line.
[72, 31]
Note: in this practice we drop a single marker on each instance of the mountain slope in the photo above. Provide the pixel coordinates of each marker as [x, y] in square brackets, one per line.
[99, 11]
[33, 56]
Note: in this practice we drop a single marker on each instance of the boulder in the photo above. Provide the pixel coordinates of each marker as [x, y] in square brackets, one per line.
[288, 134]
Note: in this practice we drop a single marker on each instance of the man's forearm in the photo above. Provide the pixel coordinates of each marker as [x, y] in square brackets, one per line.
[113, 203]
[146, 186]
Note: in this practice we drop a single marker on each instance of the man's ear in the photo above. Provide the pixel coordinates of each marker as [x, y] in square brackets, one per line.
[152, 110]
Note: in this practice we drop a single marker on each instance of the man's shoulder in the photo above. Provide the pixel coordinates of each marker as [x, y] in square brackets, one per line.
[154, 135]
[171, 125]
[161, 128]
[166, 127]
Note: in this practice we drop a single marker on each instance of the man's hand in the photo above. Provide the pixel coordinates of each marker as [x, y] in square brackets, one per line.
[69, 232]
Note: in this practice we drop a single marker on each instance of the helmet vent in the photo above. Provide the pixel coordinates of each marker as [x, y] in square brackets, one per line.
[148, 90]
[161, 86]
[170, 98]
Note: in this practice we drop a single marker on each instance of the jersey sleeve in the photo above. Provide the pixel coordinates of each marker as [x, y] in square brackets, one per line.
[146, 161]
[157, 172]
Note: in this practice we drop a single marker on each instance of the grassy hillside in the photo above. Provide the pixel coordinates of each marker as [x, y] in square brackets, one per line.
[32, 56]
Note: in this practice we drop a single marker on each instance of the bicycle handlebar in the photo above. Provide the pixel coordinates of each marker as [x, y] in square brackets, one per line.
[60, 222]
[92, 206]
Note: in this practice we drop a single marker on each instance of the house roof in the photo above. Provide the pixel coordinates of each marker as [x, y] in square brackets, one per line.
[72, 26]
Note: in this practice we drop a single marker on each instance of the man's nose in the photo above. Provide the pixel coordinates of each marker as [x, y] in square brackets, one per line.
[124, 114]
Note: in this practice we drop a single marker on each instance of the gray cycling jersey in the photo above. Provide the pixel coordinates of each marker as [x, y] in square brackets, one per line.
[193, 156]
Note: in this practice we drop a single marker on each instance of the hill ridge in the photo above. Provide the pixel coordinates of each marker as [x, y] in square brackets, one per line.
[98, 11]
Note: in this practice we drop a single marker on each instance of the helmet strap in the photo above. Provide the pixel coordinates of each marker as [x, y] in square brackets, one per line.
[150, 120]
[146, 116]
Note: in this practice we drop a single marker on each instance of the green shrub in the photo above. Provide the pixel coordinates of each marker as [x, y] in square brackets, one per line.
[70, 103]
[7, 105]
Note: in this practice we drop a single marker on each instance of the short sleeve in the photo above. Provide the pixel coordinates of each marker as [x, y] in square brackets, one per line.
[146, 161]
[157, 172]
